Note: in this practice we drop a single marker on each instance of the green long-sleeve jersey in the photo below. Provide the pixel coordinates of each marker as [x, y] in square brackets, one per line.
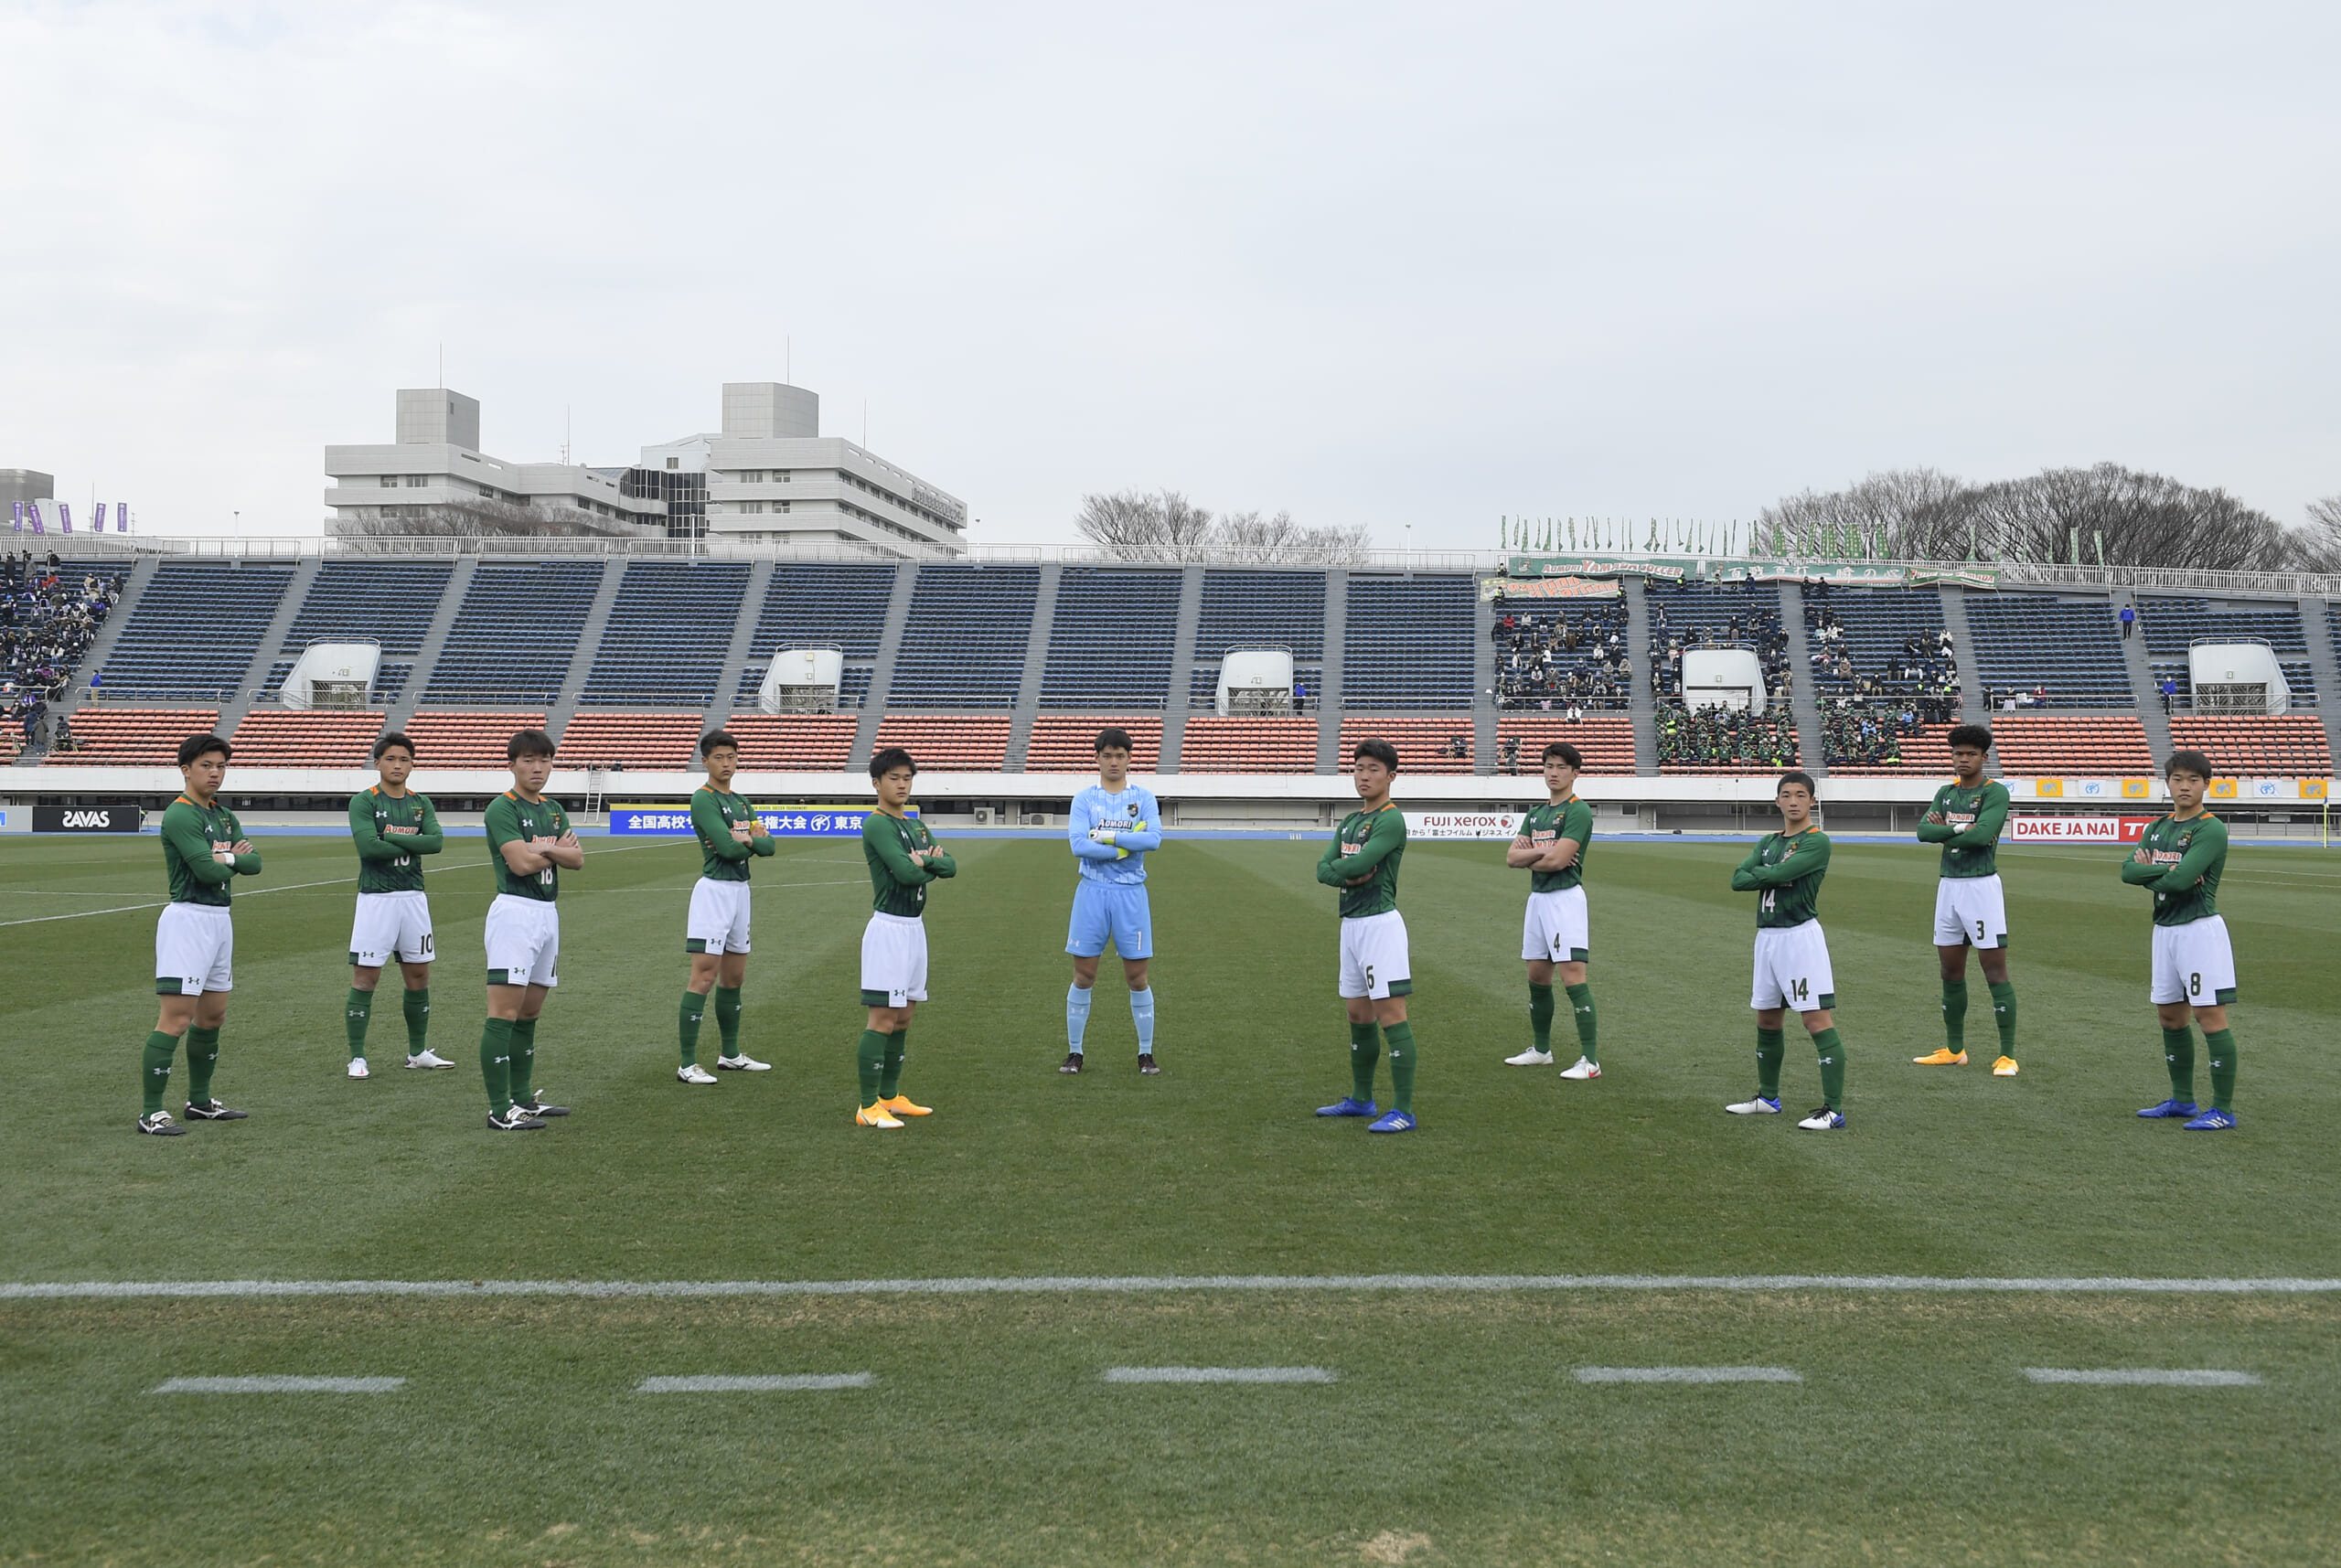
[1546, 826]
[390, 832]
[721, 822]
[1369, 844]
[898, 883]
[191, 834]
[1786, 868]
[2187, 860]
[1967, 824]
[539, 822]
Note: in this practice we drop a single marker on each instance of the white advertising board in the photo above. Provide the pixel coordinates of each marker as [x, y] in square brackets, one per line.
[2033, 828]
[1462, 824]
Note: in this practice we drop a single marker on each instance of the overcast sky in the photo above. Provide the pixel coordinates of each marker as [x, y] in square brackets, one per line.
[1373, 264]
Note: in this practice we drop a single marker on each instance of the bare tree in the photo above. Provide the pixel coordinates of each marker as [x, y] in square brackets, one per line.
[481, 518]
[1164, 526]
[2317, 547]
[1247, 536]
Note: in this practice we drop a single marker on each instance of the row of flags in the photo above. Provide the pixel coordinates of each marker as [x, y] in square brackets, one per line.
[29, 512]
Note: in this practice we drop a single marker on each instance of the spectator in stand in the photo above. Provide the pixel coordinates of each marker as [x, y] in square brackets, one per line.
[2129, 619]
[2169, 695]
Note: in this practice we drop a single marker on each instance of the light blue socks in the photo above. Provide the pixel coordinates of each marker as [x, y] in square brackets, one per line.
[1076, 1016]
[1142, 1015]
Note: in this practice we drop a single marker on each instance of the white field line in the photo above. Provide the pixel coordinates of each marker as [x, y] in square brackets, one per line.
[1687, 1375]
[1137, 1284]
[2126, 1377]
[281, 1385]
[1219, 1375]
[291, 888]
[786, 1384]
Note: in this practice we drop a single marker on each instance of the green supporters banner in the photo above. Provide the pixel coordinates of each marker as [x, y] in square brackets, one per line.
[1601, 566]
[1965, 576]
[1686, 569]
[1548, 588]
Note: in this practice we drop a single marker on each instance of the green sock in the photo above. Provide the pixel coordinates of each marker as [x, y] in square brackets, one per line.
[2003, 1015]
[2178, 1055]
[1954, 1015]
[727, 1018]
[495, 1065]
[524, 1061]
[417, 1009]
[361, 1012]
[1540, 1016]
[1772, 1049]
[154, 1068]
[202, 1056]
[1365, 1051]
[1402, 1066]
[694, 1009]
[2219, 1045]
[1832, 1068]
[890, 1076]
[870, 1058]
[1588, 1038]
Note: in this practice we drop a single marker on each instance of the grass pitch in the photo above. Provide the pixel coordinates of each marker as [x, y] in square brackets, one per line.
[1456, 1431]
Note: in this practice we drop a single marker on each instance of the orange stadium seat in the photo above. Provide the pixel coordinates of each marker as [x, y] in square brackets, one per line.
[665, 740]
[448, 739]
[132, 737]
[1233, 744]
[2273, 746]
[1418, 740]
[317, 738]
[1606, 741]
[1067, 743]
[2069, 744]
[947, 741]
[794, 743]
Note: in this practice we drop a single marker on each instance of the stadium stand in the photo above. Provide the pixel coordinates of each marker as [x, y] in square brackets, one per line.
[2170, 625]
[630, 741]
[2277, 745]
[1408, 642]
[1067, 743]
[796, 743]
[1726, 740]
[1607, 743]
[192, 633]
[515, 633]
[1554, 654]
[2069, 744]
[1111, 639]
[1872, 642]
[2029, 643]
[819, 604]
[449, 740]
[1424, 745]
[1923, 750]
[318, 738]
[389, 603]
[1689, 615]
[1258, 609]
[947, 741]
[667, 636]
[964, 643]
[132, 737]
[1246, 745]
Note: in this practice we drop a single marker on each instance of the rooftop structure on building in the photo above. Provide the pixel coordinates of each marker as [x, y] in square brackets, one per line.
[26, 484]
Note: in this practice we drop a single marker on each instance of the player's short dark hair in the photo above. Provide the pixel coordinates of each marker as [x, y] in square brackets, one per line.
[1976, 735]
[1794, 776]
[887, 761]
[2194, 762]
[1115, 738]
[390, 738]
[528, 743]
[715, 738]
[194, 746]
[1380, 751]
[1566, 752]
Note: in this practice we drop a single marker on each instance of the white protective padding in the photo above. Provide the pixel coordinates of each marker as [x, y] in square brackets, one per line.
[1256, 680]
[802, 681]
[2237, 677]
[333, 675]
[1723, 677]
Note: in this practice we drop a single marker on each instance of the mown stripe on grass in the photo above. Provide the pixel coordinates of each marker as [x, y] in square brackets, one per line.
[2142, 1377]
[784, 1382]
[1687, 1375]
[1043, 1284]
[281, 1385]
[1219, 1375]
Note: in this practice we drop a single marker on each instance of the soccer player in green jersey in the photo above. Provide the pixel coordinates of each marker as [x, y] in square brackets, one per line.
[904, 858]
[1377, 975]
[2181, 857]
[1556, 934]
[204, 851]
[529, 840]
[1970, 907]
[1785, 869]
[715, 934]
[392, 828]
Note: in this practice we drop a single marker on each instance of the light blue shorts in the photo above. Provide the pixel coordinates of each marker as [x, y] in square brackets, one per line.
[1117, 910]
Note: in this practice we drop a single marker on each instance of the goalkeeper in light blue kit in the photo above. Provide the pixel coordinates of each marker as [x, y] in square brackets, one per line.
[1115, 823]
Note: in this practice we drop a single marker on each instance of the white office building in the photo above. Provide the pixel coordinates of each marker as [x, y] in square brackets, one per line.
[436, 462]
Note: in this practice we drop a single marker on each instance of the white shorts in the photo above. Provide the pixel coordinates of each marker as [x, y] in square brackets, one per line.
[1557, 930]
[894, 961]
[1793, 970]
[719, 919]
[523, 942]
[390, 925]
[1373, 956]
[2194, 963]
[195, 950]
[1971, 910]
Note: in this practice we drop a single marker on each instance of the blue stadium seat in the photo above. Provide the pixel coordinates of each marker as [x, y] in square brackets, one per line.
[668, 635]
[390, 602]
[1723, 612]
[1550, 653]
[2071, 645]
[964, 643]
[1409, 641]
[814, 604]
[515, 633]
[2171, 624]
[1111, 640]
[194, 630]
[1258, 609]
